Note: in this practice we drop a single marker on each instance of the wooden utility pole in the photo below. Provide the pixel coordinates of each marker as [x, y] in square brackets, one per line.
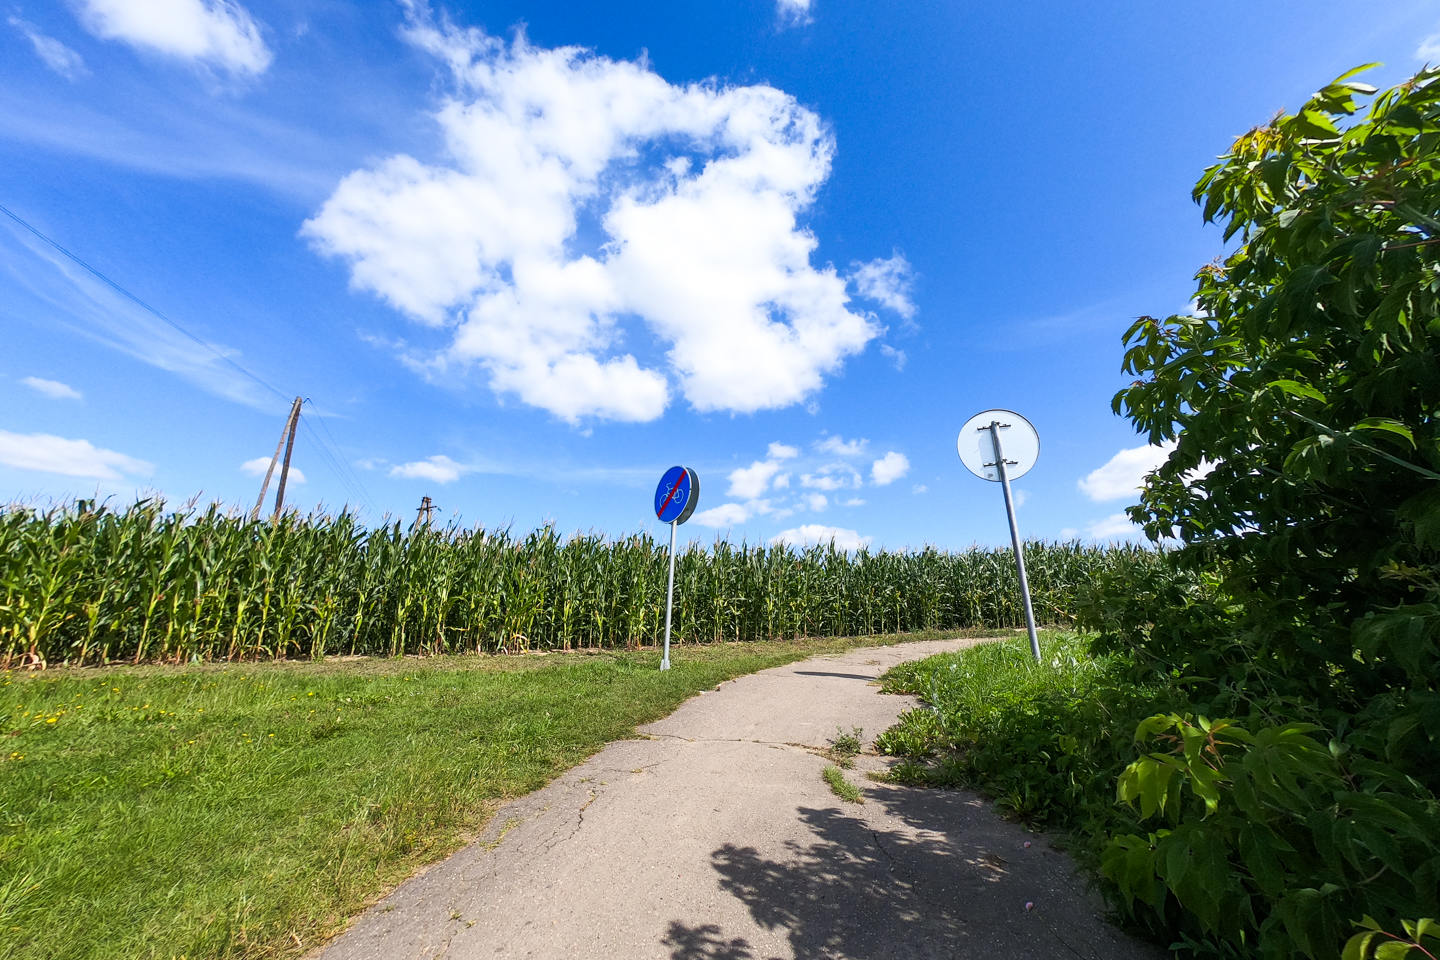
[287, 434]
[422, 515]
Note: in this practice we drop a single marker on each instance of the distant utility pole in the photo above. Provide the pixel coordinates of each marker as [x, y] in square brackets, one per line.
[422, 515]
[287, 443]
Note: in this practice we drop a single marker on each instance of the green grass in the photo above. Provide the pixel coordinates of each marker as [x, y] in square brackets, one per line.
[841, 787]
[845, 747]
[246, 810]
[1045, 740]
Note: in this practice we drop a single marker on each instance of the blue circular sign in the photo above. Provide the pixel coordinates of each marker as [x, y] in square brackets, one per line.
[677, 495]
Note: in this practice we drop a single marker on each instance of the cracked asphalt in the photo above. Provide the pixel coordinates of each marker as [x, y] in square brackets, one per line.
[715, 837]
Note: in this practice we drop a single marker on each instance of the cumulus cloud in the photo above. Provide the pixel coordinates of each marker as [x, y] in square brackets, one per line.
[814, 533]
[219, 33]
[816, 501]
[749, 482]
[888, 282]
[52, 388]
[725, 515]
[51, 52]
[841, 447]
[582, 203]
[780, 451]
[258, 466]
[1117, 526]
[439, 468]
[46, 453]
[1123, 474]
[889, 468]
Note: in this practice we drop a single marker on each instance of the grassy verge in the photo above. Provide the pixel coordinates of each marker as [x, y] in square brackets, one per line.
[1045, 740]
[246, 811]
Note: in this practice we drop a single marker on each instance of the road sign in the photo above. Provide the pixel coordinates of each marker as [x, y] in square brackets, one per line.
[675, 500]
[677, 495]
[1001, 445]
[977, 452]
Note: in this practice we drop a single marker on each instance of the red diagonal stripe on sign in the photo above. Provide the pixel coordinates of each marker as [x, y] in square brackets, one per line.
[673, 490]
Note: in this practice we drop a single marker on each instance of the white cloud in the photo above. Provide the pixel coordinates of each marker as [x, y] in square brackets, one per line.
[81, 302]
[1429, 49]
[841, 447]
[816, 501]
[793, 12]
[897, 357]
[216, 32]
[814, 533]
[889, 468]
[1123, 474]
[258, 466]
[52, 52]
[782, 482]
[1020, 497]
[855, 502]
[52, 388]
[693, 196]
[822, 482]
[919, 488]
[438, 468]
[747, 483]
[1069, 533]
[72, 458]
[725, 515]
[780, 451]
[1114, 527]
[888, 282]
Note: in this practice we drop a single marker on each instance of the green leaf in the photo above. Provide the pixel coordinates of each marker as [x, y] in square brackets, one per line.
[1297, 389]
[1387, 425]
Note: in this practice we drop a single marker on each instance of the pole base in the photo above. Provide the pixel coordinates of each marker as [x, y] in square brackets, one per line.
[665, 664]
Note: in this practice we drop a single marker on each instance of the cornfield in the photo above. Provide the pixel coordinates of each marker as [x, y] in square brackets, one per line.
[88, 584]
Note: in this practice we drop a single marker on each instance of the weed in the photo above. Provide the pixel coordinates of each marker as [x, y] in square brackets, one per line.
[841, 787]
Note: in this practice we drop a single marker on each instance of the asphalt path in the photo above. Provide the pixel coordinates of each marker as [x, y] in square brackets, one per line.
[715, 838]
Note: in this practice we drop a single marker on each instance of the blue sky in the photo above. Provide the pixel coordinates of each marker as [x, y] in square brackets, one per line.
[523, 257]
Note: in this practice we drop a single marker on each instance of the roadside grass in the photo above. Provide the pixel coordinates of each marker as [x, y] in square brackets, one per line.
[1045, 740]
[247, 810]
[841, 787]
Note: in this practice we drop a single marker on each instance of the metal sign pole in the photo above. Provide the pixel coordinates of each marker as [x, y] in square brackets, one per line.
[994, 429]
[669, 598]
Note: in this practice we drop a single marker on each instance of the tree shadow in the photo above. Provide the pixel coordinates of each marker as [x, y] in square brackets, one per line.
[922, 874]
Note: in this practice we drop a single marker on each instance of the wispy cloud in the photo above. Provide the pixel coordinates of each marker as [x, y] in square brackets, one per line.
[52, 388]
[1429, 49]
[218, 33]
[54, 54]
[47, 453]
[72, 297]
[889, 282]
[793, 13]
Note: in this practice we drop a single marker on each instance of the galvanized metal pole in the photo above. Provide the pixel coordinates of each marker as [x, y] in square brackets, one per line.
[994, 429]
[669, 598]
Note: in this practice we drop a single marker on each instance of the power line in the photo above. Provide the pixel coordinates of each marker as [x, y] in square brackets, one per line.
[142, 304]
[331, 451]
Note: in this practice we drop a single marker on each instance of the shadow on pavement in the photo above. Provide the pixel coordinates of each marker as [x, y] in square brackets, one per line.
[901, 888]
